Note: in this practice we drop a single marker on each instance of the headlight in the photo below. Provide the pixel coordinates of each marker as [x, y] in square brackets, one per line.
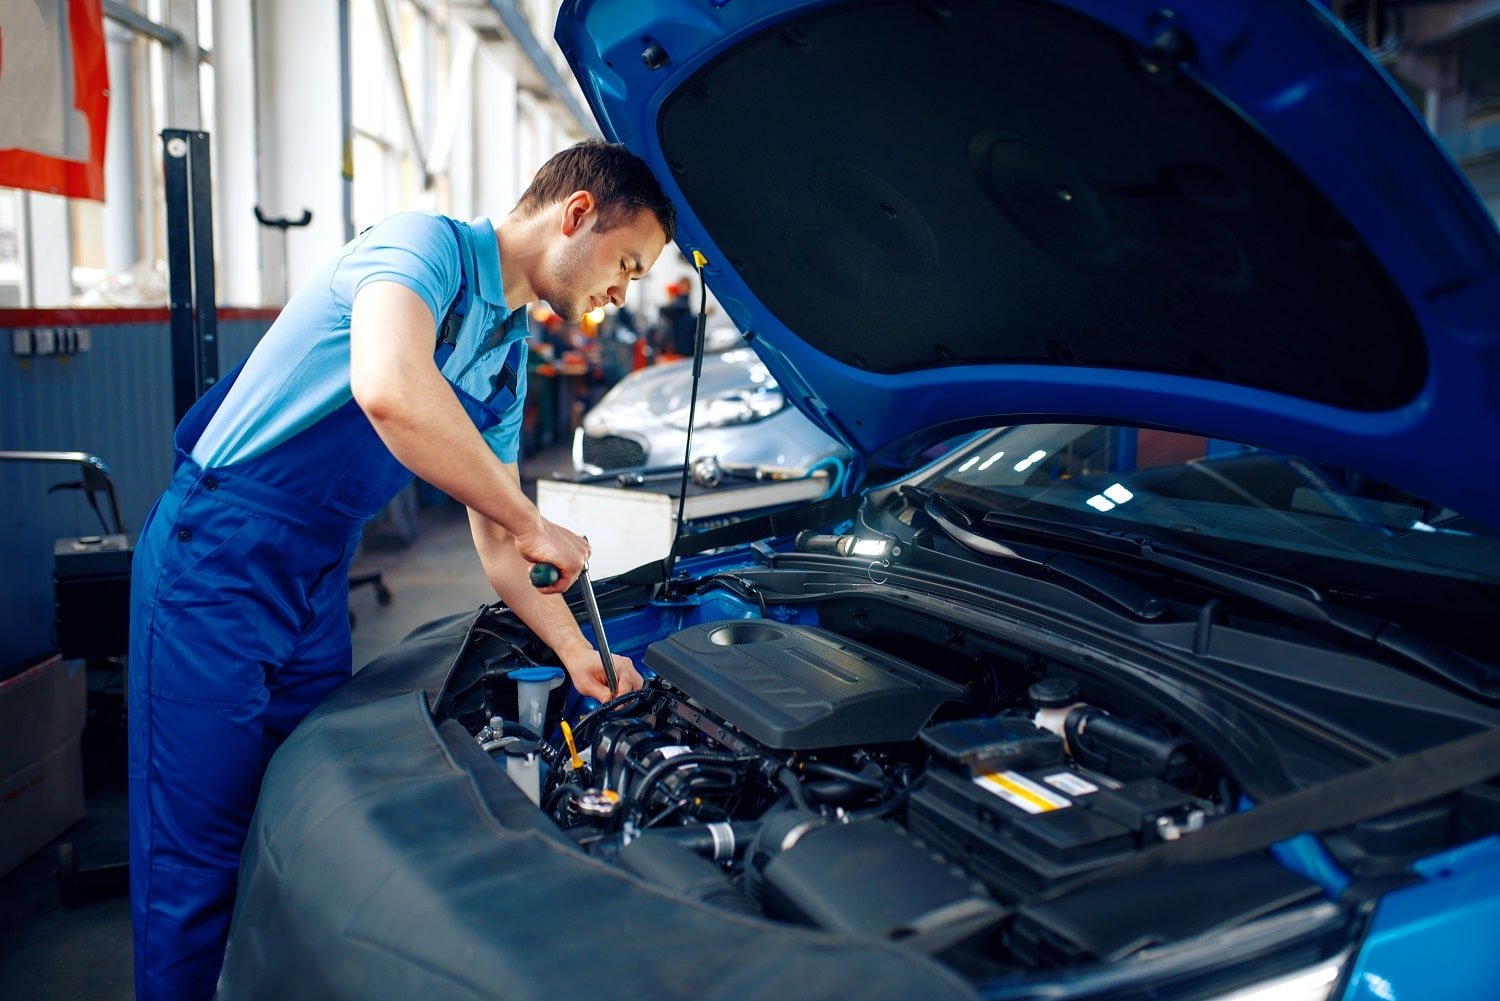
[1313, 983]
[736, 406]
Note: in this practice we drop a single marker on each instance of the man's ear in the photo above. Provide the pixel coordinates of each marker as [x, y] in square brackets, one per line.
[575, 211]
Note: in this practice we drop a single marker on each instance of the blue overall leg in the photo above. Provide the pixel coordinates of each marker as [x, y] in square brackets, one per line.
[239, 627]
[228, 652]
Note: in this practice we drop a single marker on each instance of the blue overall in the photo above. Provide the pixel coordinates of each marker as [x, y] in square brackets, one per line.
[239, 627]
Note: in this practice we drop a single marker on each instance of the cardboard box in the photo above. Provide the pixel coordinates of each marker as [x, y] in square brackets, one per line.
[41, 771]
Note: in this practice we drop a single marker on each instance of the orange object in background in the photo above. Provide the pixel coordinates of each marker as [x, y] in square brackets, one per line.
[52, 134]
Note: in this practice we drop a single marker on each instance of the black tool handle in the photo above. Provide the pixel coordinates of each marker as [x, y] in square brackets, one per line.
[544, 575]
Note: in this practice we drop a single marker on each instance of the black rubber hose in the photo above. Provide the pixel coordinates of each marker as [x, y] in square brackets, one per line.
[641, 788]
[835, 791]
[553, 797]
[512, 729]
[827, 771]
[551, 755]
[793, 785]
[731, 841]
[883, 810]
[670, 866]
[581, 735]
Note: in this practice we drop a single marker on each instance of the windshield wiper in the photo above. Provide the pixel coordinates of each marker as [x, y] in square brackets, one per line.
[957, 525]
[1292, 598]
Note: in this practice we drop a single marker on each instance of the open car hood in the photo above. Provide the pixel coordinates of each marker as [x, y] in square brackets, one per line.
[931, 216]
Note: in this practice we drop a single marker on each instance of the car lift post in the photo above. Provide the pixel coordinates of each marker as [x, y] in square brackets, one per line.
[190, 267]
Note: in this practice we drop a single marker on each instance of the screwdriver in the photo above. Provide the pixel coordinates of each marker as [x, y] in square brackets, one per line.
[545, 575]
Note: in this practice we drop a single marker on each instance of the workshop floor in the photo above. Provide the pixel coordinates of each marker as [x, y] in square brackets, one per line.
[50, 952]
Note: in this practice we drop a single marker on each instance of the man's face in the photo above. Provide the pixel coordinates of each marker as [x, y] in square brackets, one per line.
[590, 269]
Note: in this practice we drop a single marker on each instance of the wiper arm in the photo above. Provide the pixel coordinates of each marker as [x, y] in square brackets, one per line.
[955, 523]
[1293, 598]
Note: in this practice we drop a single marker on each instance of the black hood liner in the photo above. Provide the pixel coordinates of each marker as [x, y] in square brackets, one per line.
[389, 858]
[909, 185]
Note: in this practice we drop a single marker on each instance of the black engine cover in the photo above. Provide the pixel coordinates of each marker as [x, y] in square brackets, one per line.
[798, 688]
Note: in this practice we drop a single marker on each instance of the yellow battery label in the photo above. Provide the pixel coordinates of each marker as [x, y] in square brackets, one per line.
[1018, 790]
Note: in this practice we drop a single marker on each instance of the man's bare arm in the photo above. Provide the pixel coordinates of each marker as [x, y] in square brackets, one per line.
[546, 614]
[418, 417]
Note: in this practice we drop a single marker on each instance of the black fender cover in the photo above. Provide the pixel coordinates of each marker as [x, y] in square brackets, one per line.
[389, 858]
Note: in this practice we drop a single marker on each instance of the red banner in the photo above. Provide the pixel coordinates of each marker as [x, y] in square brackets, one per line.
[54, 97]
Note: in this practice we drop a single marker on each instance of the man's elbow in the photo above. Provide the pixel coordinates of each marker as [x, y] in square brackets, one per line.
[379, 399]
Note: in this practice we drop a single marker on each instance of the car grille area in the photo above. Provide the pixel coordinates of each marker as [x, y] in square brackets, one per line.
[612, 452]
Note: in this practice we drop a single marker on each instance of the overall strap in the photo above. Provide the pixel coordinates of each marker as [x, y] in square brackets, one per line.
[453, 320]
[507, 379]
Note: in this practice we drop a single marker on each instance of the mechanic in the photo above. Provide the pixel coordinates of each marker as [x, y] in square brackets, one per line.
[404, 355]
[678, 322]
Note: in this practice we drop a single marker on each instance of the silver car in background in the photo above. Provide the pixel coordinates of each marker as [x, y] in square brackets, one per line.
[743, 419]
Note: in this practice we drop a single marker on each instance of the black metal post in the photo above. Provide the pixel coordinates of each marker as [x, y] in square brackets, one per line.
[190, 266]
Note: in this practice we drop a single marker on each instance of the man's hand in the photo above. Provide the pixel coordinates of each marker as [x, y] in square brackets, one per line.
[551, 543]
[587, 674]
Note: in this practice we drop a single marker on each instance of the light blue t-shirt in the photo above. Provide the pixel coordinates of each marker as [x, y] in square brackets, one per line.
[299, 372]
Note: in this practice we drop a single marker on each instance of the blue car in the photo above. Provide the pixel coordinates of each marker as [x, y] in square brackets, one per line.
[1176, 679]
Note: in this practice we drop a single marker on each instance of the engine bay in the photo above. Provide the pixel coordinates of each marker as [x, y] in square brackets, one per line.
[775, 767]
[914, 755]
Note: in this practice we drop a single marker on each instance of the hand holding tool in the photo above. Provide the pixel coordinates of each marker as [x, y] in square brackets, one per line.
[544, 575]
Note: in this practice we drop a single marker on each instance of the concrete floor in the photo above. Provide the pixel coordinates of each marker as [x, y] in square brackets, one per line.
[83, 953]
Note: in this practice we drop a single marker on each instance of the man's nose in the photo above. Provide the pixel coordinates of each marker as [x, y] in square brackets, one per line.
[617, 295]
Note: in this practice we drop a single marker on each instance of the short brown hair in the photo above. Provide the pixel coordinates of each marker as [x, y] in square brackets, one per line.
[620, 182]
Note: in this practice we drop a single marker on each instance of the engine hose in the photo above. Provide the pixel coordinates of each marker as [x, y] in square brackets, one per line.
[563, 772]
[836, 792]
[885, 809]
[793, 785]
[827, 771]
[551, 755]
[549, 805]
[719, 842]
[580, 729]
[509, 729]
[639, 790]
[669, 865]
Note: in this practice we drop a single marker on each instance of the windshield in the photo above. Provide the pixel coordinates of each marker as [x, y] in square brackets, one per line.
[1358, 540]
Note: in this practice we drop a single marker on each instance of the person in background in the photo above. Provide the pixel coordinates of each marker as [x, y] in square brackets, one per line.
[617, 339]
[677, 324]
[405, 354]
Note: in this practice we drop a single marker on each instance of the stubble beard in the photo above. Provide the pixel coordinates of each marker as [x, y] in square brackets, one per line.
[566, 296]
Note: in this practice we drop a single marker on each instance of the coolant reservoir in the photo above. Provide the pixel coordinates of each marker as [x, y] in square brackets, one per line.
[532, 686]
[1053, 699]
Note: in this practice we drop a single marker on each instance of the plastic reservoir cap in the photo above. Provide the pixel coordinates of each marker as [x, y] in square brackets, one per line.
[1053, 693]
[537, 674]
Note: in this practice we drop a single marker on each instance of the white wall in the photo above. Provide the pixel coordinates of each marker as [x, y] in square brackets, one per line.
[299, 140]
[494, 154]
[237, 234]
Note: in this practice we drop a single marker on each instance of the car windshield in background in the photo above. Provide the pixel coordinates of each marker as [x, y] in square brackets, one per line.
[1357, 539]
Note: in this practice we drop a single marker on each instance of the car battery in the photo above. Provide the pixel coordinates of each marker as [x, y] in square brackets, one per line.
[91, 588]
[1006, 804]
